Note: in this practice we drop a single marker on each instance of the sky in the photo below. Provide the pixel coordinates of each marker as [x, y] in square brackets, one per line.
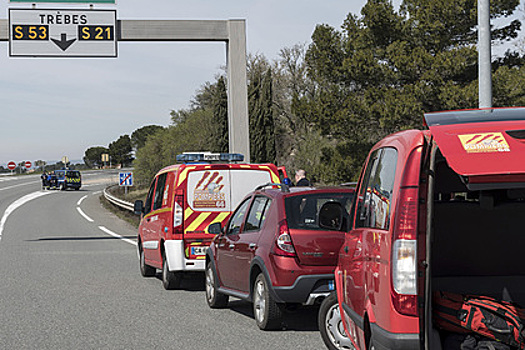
[55, 107]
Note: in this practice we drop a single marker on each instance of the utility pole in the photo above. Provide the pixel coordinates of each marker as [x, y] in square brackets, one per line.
[484, 55]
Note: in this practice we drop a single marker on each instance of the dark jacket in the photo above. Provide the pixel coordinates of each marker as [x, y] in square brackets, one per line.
[303, 182]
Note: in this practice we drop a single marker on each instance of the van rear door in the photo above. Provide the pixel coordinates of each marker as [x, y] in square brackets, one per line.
[482, 143]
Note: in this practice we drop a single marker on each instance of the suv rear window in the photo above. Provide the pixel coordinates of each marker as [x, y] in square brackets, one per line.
[302, 210]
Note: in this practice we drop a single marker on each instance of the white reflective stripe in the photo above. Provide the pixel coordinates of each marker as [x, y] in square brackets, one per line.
[81, 199]
[84, 215]
[111, 233]
[18, 203]
[150, 244]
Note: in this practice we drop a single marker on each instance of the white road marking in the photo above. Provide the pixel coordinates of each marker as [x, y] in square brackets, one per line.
[84, 215]
[81, 199]
[24, 184]
[117, 236]
[18, 203]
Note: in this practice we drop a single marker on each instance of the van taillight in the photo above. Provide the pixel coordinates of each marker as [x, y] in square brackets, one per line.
[283, 242]
[404, 253]
[178, 216]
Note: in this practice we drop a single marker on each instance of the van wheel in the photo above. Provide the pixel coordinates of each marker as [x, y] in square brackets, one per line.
[267, 312]
[145, 270]
[170, 279]
[214, 299]
[331, 325]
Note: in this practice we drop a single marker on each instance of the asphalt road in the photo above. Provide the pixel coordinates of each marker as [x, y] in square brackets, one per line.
[69, 279]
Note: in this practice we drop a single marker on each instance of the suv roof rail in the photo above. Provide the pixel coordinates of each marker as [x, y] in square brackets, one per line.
[284, 187]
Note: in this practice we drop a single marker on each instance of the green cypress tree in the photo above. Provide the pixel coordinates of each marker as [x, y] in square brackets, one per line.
[268, 119]
[220, 116]
[255, 120]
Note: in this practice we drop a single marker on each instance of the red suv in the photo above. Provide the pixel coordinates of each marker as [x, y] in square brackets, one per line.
[436, 210]
[279, 247]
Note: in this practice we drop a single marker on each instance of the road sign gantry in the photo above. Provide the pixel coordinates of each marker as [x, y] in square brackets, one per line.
[59, 33]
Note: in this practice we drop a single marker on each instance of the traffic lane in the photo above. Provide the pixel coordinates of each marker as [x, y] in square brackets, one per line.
[69, 286]
[238, 312]
[58, 279]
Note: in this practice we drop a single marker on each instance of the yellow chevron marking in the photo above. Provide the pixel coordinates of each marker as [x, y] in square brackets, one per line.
[220, 218]
[246, 166]
[196, 223]
[187, 213]
[184, 174]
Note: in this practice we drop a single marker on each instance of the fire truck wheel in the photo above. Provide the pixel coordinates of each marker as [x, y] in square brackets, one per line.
[215, 299]
[145, 270]
[170, 279]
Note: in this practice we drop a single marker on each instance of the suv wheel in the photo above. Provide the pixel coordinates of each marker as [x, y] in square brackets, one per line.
[145, 270]
[266, 311]
[170, 279]
[213, 297]
[331, 325]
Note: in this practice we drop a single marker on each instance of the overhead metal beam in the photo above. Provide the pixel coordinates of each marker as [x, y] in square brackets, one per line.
[168, 30]
[232, 32]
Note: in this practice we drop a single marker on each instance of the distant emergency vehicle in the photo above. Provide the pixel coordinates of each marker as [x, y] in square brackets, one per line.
[68, 179]
[183, 200]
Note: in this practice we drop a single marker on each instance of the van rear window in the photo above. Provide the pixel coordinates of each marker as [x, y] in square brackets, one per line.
[302, 210]
[73, 174]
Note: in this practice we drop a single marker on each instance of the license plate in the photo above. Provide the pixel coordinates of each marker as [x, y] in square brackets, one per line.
[331, 285]
[198, 250]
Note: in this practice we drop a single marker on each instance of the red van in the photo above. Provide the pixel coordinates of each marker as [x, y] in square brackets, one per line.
[182, 201]
[435, 210]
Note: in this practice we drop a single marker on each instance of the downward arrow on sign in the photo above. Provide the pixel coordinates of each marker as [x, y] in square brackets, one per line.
[63, 43]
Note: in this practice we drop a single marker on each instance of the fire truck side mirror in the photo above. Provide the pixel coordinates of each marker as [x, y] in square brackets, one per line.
[139, 207]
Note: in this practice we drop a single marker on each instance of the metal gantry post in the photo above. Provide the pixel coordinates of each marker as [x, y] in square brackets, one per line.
[238, 124]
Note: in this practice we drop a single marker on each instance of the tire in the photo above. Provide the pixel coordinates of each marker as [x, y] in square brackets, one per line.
[62, 187]
[170, 279]
[214, 299]
[145, 270]
[331, 325]
[267, 313]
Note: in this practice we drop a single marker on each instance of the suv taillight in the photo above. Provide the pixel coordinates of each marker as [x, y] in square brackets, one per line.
[404, 253]
[178, 216]
[283, 242]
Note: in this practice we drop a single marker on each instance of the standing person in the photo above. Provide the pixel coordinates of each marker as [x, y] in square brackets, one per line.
[300, 178]
[48, 181]
[43, 177]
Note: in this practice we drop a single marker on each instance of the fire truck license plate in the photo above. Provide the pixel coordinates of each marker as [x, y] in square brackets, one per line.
[198, 250]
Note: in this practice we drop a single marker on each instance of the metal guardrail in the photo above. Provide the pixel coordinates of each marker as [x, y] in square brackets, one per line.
[117, 201]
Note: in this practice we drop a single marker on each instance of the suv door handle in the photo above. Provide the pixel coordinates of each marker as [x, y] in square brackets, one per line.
[252, 246]
[232, 246]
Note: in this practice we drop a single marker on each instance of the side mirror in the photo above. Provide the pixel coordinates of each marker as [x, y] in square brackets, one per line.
[138, 208]
[215, 228]
[331, 216]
